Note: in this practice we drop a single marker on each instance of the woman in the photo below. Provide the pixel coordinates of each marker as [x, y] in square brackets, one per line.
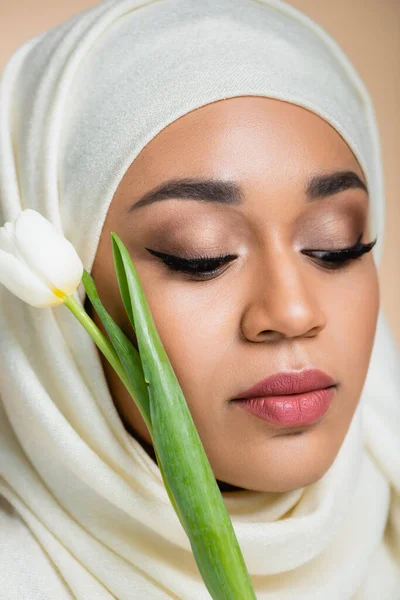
[234, 149]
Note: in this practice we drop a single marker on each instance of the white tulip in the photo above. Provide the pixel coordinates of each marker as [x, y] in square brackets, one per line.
[37, 263]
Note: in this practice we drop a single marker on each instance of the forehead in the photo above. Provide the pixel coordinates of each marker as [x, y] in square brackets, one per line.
[243, 137]
[268, 147]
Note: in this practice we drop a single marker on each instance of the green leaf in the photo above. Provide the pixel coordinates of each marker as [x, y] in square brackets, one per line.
[170, 496]
[186, 468]
[123, 284]
[126, 352]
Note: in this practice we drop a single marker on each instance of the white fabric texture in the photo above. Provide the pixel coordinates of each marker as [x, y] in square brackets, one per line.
[89, 516]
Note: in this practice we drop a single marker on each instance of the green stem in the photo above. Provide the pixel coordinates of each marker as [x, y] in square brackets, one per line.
[107, 349]
[100, 340]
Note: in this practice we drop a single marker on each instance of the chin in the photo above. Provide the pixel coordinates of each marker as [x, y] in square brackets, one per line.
[284, 463]
[281, 478]
[272, 487]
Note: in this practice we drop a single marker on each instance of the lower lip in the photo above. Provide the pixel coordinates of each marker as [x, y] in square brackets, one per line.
[293, 410]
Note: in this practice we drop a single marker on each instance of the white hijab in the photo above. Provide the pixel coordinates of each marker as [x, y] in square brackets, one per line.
[91, 518]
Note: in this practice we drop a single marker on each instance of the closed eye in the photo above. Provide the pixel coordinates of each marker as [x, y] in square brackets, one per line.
[210, 266]
[199, 265]
[336, 259]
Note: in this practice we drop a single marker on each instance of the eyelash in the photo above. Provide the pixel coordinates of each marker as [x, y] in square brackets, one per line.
[204, 266]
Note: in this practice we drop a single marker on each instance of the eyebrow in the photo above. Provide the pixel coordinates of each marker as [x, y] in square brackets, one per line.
[230, 193]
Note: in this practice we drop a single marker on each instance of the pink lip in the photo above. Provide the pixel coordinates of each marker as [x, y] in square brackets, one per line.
[289, 382]
[290, 411]
[290, 398]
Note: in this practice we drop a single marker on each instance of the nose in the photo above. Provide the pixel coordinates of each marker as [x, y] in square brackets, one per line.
[283, 302]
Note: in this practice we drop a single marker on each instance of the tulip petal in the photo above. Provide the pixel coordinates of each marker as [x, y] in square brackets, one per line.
[19, 280]
[7, 238]
[47, 252]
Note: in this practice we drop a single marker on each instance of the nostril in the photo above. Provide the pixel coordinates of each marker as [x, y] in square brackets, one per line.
[271, 334]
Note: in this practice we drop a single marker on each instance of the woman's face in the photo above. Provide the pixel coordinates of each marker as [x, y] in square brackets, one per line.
[271, 307]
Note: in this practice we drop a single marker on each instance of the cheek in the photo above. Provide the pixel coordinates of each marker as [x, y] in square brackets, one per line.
[359, 306]
[351, 324]
[104, 276]
[198, 325]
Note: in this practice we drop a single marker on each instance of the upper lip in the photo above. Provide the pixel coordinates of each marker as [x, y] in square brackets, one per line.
[289, 382]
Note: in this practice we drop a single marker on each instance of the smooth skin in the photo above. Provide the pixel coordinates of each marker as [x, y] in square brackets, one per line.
[272, 308]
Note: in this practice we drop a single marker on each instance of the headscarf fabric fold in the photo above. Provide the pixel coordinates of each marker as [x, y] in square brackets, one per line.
[89, 512]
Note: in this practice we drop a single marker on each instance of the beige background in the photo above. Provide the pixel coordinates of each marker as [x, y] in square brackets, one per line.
[367, 30]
